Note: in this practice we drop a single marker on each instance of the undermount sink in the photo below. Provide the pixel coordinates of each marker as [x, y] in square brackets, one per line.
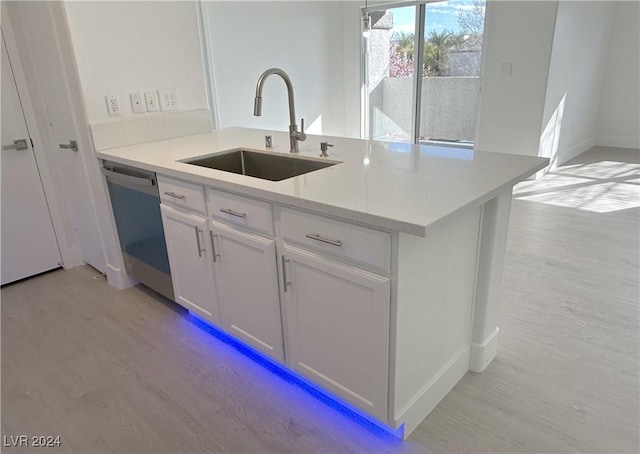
[258, 164]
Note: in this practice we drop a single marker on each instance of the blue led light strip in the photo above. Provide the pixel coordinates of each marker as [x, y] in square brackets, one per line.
[288, 375]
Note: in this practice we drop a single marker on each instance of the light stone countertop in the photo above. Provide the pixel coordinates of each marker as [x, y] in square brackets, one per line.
[390, 186]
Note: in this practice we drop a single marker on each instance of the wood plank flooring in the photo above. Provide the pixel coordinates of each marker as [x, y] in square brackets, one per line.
[121, 371]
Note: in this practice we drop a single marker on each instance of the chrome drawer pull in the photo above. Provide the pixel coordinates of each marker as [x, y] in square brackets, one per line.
[317, 237]
[285, 283]
[174, 195]
[213, 246]
[233, 213]
[200, 250]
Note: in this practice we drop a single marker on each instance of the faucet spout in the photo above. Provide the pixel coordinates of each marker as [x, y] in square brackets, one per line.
[257, 106]
[294, 134]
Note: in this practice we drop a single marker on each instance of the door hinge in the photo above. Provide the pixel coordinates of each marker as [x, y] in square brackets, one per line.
[31, 140]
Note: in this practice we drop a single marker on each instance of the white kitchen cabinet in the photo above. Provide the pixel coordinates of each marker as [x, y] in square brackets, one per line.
[394, 264]
[367, 248]
[247, 281]
[182, 194]
[337, 327]
[191, 262]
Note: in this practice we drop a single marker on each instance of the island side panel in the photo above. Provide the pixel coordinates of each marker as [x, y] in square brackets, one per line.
[493, 241]
[433, 312]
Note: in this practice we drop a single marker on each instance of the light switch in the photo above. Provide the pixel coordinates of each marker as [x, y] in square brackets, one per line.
[136, 103]
[505, 69]
[151, 99]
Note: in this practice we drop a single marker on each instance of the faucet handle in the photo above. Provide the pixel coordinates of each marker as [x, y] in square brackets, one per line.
[301, 134]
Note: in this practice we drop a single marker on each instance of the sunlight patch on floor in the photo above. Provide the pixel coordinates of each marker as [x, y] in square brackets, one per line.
[602, 169]
[600, 187]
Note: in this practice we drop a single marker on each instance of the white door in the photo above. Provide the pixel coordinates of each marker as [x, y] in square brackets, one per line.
[191, 262]
[337, 328]
[247, 280]
[29, 243]
[37, 26]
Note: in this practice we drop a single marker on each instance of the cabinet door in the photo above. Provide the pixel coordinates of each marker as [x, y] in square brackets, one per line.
[191, 262]
[247, 280]
[337, 328]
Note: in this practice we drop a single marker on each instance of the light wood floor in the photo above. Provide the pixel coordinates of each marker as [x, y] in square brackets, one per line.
[120, 371]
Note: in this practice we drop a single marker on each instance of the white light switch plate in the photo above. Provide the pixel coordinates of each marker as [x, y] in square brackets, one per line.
[168, 99]
[136, 103]
[151, 99]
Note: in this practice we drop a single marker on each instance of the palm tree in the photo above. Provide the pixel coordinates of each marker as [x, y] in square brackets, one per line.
[442, 43]
[404, 44]
[428, 61]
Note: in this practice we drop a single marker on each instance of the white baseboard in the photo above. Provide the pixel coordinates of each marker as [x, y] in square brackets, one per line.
[118, 278]
[432, 393]
[594, 141]
[617, 142]
[482, 354]
[71, 257]
[572, 152]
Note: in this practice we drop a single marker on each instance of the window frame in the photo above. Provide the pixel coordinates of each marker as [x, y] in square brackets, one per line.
[416, 97]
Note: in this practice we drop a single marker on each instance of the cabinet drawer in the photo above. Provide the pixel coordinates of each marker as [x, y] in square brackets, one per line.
[240, 210]
[182, 194]
[341, 239]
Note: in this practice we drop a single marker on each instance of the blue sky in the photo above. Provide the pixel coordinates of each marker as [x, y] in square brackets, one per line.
[440, 16]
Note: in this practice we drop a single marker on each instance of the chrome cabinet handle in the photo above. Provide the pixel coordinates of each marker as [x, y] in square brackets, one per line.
[18, 144]
[72, 145]
[317, 237]
[174, 195]
[284, 273]
[200, 250]
[213, 246]
[233, 213]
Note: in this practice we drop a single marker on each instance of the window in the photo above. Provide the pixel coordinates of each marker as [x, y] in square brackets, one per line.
[422, 71]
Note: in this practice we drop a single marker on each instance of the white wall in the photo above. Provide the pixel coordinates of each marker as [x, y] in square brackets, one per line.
[619, 112]
[136, 46]
[304, 38]
[511, 107]
[576, 73]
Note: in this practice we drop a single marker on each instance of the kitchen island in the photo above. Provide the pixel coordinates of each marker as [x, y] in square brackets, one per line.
[377, 279]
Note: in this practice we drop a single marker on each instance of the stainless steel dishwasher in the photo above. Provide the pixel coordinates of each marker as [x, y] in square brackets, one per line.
[136, 209]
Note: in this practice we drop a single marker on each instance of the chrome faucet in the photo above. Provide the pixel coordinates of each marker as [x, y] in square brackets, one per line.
[294, 135]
